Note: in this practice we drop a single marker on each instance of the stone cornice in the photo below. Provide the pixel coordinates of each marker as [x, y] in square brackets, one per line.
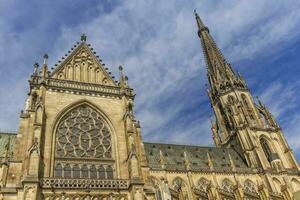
[75, 87]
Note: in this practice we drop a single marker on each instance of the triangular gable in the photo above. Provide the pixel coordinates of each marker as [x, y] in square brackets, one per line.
[82, 65]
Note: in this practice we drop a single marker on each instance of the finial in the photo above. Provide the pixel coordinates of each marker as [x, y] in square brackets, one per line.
[45, 59]
[200, 24]
[44, 66]
[36, 68]
[83, 38]
[195, 12]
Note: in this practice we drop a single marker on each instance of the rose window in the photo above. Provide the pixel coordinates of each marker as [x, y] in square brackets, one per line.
[83, 140]
[82, 134]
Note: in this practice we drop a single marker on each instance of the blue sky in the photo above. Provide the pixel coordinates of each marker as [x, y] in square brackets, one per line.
[157, 43]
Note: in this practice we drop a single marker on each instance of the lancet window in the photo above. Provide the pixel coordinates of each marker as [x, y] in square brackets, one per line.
[265, 146]
[83, 145]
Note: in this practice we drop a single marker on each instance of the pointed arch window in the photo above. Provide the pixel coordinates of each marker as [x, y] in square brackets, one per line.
[76, 171]
[83, 138]
[85, 171]
[266, 148]
[67, 171]
[93, 172]
[82, 133]
[109, 172]
[101, 171]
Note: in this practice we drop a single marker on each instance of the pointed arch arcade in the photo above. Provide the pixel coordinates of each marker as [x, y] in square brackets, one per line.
[83, 143]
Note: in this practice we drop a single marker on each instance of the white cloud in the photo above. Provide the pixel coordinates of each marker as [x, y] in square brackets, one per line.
[280, 98]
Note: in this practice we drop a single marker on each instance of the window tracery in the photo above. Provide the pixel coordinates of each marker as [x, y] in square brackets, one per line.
[82, 133]
[83, 141]
[265, 146]
[203, 184]
[249, 186]
[227, 186]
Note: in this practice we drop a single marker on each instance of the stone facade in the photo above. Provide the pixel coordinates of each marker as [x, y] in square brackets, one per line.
[78, 138]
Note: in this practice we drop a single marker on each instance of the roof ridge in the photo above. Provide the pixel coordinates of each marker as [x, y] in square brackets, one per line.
[8, 133]
[159, 143]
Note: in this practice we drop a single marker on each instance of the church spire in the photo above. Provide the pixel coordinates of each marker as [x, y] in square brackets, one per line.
[219, 70]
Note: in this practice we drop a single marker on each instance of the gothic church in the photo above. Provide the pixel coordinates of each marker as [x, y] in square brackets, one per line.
[78, 139]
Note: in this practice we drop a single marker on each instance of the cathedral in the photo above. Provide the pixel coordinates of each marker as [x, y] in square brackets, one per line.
[79, 139]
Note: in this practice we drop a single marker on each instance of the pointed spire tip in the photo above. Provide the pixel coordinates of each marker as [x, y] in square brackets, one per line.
[195, 12]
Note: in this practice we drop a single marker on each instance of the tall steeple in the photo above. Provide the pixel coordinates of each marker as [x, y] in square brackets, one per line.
[240, 123]
[219, 70]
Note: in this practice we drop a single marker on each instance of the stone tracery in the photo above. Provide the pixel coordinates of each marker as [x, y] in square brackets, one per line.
[82, 133]
[82, 140]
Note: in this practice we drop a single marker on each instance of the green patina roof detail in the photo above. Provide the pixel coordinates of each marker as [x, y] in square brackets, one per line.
[174, 158]
[7, 139]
